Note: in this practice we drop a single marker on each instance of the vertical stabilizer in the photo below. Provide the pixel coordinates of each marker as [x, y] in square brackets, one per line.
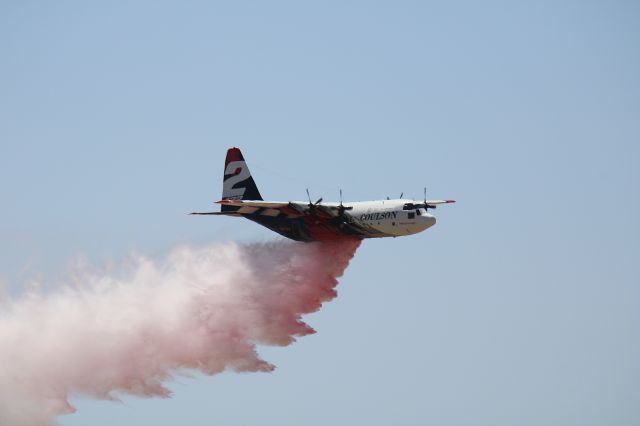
[237, 181]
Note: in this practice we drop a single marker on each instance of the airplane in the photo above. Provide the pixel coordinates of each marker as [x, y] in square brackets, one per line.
[302, 221]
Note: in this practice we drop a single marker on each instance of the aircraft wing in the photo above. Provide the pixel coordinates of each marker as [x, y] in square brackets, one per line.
[285, 208]
[249, 203]
[300, 220]
[428, 204]
[440, 201]
[216, 213]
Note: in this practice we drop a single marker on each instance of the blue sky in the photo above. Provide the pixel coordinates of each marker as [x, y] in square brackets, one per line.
[521, 306]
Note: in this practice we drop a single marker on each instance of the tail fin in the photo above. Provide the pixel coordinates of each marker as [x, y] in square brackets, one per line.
[237, 182]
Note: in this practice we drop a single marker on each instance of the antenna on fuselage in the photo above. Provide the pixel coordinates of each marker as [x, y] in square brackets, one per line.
[401, 194]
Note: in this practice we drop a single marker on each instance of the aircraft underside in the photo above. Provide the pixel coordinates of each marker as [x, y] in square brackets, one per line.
[307, 229]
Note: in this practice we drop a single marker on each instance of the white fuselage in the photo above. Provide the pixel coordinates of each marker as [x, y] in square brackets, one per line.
[389, 217]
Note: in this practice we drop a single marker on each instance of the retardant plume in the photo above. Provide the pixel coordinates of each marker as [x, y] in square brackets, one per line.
[203, 309]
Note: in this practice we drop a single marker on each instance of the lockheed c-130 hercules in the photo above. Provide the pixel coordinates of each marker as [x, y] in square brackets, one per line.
[302, 221]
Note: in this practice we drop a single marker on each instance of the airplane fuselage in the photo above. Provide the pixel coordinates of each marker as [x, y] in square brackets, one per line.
[365, 219]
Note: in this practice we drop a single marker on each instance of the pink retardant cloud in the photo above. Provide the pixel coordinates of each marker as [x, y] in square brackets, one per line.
[201, 309]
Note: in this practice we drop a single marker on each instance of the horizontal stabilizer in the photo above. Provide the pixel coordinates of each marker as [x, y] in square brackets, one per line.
[228, 213]
[251, 203]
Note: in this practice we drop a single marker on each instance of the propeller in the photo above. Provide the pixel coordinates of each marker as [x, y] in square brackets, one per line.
[341, 207]
[422, 205]
[313, 204]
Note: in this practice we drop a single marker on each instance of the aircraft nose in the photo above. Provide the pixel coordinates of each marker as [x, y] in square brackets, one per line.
[429, 219]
